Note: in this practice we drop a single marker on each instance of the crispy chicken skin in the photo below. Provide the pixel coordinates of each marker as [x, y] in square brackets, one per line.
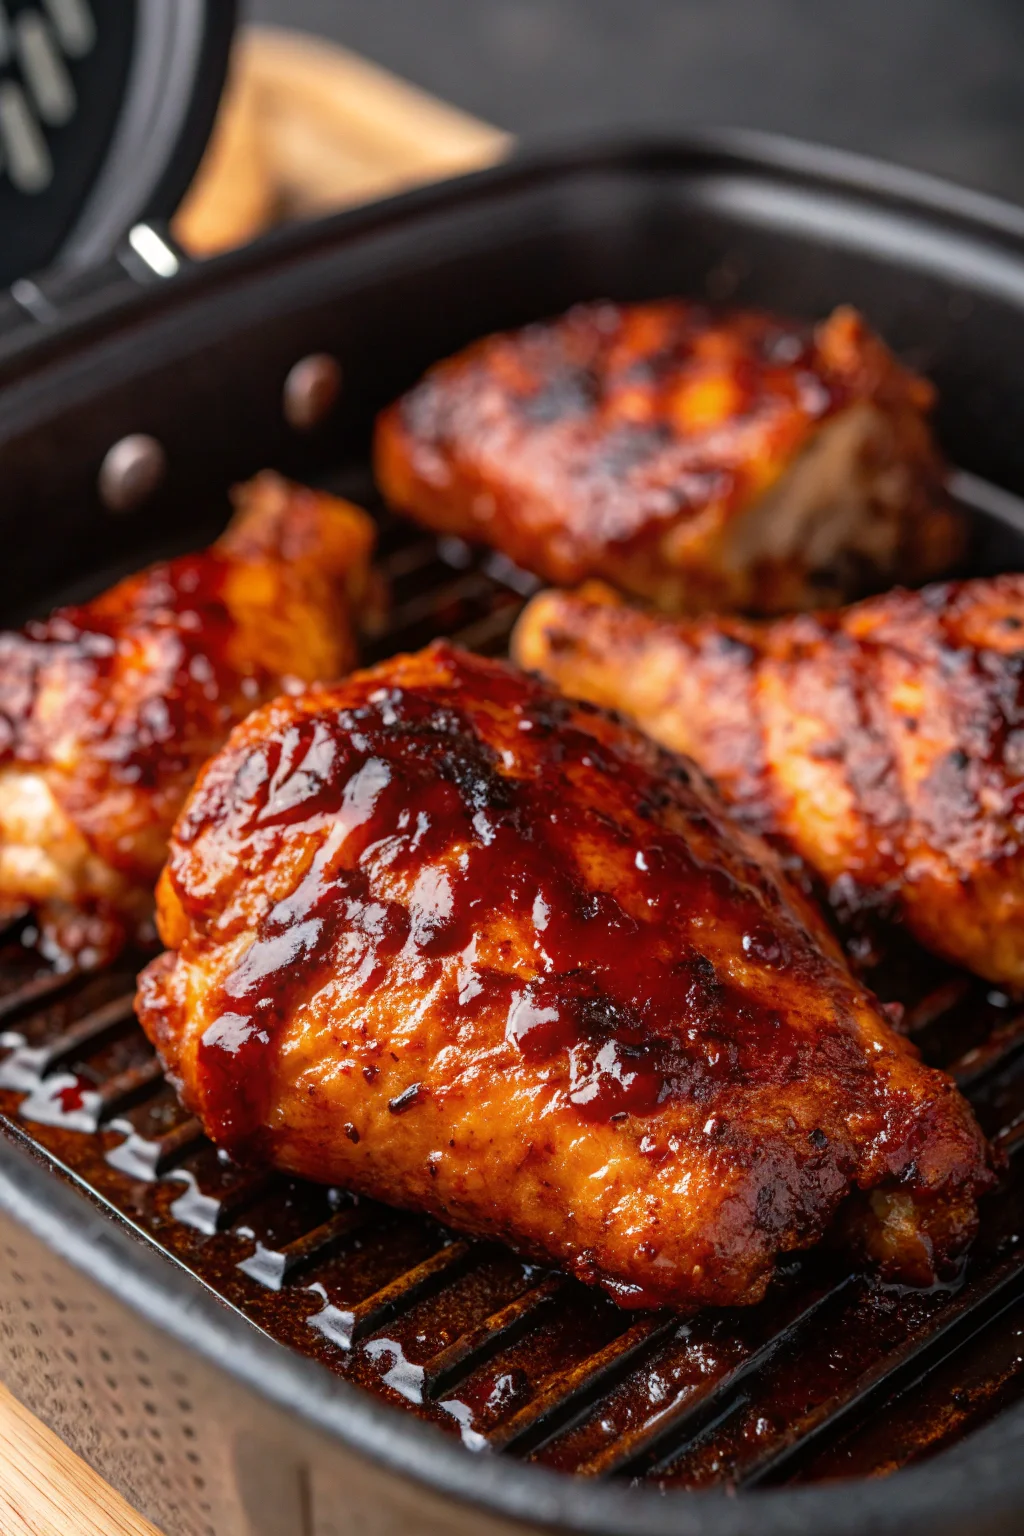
[108, 710]
[884, 744]
[701, 461]
[446, 938]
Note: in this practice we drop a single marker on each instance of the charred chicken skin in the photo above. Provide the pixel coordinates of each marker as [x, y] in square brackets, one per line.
[883, 744]
[108, 710]
[462, 945]
[700, 461]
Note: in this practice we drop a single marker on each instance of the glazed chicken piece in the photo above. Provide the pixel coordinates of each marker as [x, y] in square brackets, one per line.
[883, 744]
[701, 461]
[451, 941]
[108, 710]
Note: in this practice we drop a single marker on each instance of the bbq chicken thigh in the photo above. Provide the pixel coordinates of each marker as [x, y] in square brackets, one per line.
[883, 744]
[443, 937]
[108, 710]
[701, 461]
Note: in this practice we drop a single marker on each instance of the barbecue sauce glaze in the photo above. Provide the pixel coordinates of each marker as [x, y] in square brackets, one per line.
[441, 874]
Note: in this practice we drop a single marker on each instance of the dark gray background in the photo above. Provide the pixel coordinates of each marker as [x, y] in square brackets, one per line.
[937, 84]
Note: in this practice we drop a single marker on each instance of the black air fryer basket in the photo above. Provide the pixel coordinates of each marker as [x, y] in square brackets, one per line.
[244, 1353]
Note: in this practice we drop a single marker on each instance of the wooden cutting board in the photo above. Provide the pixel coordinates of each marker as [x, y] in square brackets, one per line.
[305, 127]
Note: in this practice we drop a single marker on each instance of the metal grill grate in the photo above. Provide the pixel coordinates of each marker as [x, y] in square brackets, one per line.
[835, 1374]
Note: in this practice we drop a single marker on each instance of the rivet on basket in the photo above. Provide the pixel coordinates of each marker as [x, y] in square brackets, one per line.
[132, 470]
[311, 391]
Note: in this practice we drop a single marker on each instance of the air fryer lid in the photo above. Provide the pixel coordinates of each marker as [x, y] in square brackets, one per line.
[105, 109]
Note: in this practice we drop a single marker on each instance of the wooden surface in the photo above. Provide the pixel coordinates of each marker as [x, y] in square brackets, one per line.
[45, 1490]
[305, 128]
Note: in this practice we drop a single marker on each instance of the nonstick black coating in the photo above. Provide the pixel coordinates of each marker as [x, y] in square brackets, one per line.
[201, 364]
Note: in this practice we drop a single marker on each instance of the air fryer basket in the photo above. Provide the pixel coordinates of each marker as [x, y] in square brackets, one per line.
[147, 1286]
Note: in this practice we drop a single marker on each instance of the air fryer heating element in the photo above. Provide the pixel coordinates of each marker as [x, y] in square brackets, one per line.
[834, 1374]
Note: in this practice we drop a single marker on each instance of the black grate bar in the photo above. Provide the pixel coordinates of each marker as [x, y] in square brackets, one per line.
[566, 1397]
[278, 1267]
[142, 1157]
[89, 1032]
[37, 993]
[490, 630]
[985, 1060]
[662, 1437]
[129, 1088]
[215, 1213]
[465, 588]
[409, 559]
[414, 1285]
[1010, 1139]
[26, 1065]
[170, 1148]
[496, 1332]
[940, 1000]
[971, 1311]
